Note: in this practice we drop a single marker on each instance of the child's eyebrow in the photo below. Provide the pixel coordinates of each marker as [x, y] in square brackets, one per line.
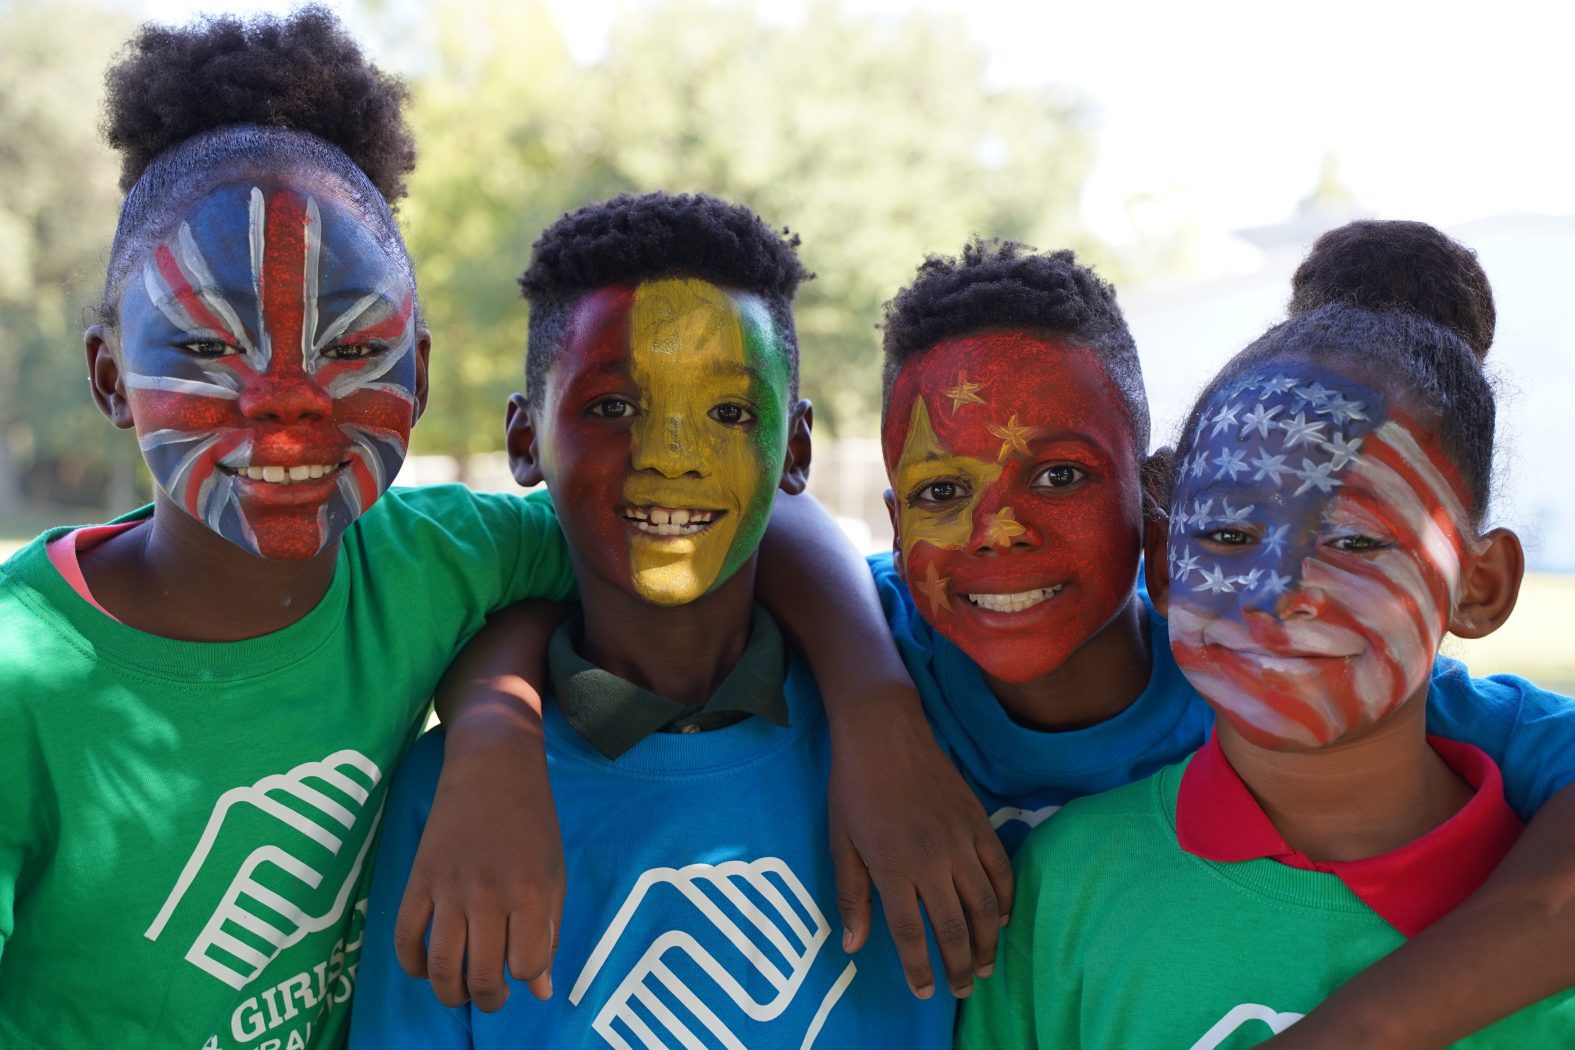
[731, 369]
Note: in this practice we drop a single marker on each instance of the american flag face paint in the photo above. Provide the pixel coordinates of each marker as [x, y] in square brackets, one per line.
[1317, 536]
[663, 432]
[268, 354]
[1014, 467]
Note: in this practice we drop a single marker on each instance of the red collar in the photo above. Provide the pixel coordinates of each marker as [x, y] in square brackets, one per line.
[1410, 888]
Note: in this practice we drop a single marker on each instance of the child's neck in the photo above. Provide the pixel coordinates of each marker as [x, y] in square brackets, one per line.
[1358, 798]
[176, 578]
[681, 652]
[1097, 682]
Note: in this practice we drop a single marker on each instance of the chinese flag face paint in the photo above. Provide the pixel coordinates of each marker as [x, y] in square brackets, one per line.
[1316, 541]
[1015, 470]
[662, 435]
[268, 349]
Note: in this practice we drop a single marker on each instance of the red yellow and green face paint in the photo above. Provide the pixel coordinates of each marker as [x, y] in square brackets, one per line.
[662, 431]
[268, 352]
[1014, 466]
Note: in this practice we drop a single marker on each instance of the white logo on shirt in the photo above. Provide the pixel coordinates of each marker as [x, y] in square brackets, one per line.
[746, 903]
[269, 902]
[1032, 817]
[1241, 1015]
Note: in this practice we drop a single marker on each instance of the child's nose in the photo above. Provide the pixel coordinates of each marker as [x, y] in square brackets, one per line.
[996, 527]
[285, 400]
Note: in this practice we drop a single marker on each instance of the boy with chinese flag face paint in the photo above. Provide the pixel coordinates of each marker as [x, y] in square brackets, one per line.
[1014, 429]
[688, 749]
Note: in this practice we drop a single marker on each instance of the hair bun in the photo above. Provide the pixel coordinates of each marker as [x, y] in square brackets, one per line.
[303, 72]
[1396, 265]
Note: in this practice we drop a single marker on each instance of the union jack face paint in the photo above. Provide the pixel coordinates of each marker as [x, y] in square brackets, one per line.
[268, 354]
[1014, 466]
[1317, 535]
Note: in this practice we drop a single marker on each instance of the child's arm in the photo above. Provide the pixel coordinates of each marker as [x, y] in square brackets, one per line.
[900, 812]
[1509, 945]
[488, 875]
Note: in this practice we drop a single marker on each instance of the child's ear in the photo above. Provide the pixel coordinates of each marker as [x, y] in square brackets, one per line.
[103, 365]
[423, 355]
[795, 461]
[896, 530]
[1157, 474]
[519, 435]
[1489, 585]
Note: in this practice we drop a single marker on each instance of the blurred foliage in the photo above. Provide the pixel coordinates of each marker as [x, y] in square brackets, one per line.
[876, 138]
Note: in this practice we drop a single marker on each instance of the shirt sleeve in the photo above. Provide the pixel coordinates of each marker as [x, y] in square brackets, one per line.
[390, 1007]
[1528, 731]
[542, 568]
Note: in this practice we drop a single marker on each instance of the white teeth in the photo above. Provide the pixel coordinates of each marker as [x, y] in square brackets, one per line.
[668, 521]
[1010, 603]
[280, 475]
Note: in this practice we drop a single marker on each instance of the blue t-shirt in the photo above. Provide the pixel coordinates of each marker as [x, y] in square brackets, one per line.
[701, 906]
[1023, 775]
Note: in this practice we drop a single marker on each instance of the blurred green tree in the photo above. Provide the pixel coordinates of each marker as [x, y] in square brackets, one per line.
[58, 202]
[877, 139]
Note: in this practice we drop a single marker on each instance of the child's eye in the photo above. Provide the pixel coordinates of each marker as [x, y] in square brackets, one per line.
[1230, 537]
[612, 408]
[1059, 476]
[352, 351]
[732, 415]
[1359, 543]
[938, 492]
[209, 348]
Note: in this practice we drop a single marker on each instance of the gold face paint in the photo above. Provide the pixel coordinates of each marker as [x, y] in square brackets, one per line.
[923, 461]
[707, 443]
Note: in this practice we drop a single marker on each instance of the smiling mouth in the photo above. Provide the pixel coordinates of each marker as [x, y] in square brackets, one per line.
[1012, 603]
[670, 521]
[287, 475]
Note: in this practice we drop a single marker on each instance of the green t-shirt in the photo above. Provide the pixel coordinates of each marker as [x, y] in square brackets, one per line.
[1120, 940]
[184, 826]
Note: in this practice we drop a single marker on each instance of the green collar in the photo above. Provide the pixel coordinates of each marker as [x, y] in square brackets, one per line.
[615, 715]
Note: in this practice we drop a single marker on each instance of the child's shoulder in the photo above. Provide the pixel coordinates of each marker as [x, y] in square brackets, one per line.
[1111, 827]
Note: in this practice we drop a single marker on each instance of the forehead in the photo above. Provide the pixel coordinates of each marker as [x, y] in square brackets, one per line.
[974, 382]
[674, 326]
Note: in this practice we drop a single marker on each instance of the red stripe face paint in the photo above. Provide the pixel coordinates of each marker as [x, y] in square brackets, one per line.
[1317, 535]
[1014, 465]
[662, 432]
[268, 350]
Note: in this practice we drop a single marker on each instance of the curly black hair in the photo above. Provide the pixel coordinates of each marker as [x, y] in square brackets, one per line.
[996, 284]
[1411, 266]
[649, 237]
[1420, 324]
[192, 105]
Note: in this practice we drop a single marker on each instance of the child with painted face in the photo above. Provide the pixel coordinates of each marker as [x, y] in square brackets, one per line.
[204, 700]
[1325, 532]
[686, 744]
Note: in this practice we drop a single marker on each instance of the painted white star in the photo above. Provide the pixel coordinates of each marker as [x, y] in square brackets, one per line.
[1299, 431]
[1224, 419]
[1316, 393]
[1317, 476]
[1344, 451]
[1216, 582]
[1170, 560]
[1260, 419]
[1199, 462]
[1279, 384]
[1249, 581]
[1231, 463]
[1185, 566]
[1200, 512]
[1275, 541]
[1270, 467]
[1235, 515]
[1276, 583]
[1341, 411]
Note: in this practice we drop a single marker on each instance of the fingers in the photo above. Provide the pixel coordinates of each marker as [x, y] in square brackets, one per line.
[978, 897]
[950, 922]
[853, 894]
[483, 955]
[446, 956]
[410, 928]
[998, 866]
[532, 944]
[907, 935]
